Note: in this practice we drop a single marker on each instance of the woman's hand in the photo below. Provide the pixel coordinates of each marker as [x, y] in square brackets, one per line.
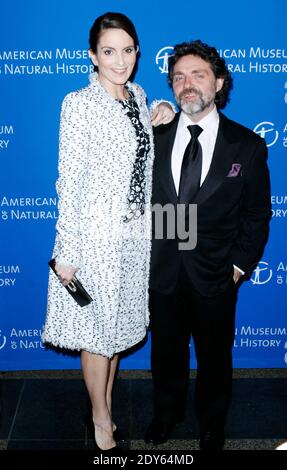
[65, 273]
[162, 114]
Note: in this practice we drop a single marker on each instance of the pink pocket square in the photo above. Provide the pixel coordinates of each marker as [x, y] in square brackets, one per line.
[235, 170]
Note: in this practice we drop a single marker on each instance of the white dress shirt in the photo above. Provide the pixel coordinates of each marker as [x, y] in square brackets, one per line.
[207, 139]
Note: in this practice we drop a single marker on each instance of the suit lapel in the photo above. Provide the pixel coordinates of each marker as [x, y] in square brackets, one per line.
[165, 146]
[224, 153]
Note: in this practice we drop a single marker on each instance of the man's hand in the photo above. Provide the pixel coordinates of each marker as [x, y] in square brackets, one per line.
[236, 275]
[162, 114]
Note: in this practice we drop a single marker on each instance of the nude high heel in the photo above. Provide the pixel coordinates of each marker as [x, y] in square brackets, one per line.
[104, 440]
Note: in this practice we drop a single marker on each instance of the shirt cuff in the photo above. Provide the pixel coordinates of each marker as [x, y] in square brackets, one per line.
[238, 269]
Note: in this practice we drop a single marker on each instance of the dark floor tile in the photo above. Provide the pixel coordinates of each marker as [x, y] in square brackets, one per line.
[51, 409]
[258, 409]
[10, 392]
[122, 400]
[141, 407]
[49, 444]
[52, 412]
[142, 412]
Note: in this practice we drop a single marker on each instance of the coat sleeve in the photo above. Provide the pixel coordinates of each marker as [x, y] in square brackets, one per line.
[73, 151]
[255, 212]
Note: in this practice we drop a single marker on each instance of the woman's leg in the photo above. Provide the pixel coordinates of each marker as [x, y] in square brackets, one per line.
[113, 368]
[96, 371]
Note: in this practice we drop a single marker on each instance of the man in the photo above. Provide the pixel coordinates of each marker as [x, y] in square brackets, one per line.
[202, 158]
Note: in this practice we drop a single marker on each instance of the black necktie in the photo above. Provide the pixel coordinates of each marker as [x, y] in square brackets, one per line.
[191, 167]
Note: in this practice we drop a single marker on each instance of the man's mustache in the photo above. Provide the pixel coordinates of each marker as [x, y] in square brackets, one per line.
[188, 91]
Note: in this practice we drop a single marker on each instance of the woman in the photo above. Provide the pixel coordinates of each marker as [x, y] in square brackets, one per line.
[104, 188]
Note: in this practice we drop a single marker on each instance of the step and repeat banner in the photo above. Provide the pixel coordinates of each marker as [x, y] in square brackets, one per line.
[43, 56]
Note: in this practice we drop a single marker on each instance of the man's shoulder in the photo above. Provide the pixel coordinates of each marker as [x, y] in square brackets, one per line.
[164, 129]
[238, 131]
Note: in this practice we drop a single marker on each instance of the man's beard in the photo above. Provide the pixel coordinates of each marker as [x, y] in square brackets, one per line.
[197, 106]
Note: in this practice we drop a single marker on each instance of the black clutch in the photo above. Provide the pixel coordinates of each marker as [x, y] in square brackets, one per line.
[75, 288]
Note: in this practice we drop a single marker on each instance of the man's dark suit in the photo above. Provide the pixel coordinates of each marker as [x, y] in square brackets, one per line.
[193, 291]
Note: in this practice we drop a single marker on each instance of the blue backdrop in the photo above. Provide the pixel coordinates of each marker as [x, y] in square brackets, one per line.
[43, 56]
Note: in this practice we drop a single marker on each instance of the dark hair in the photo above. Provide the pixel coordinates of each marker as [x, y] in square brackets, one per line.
[111, 20]
[210, 55]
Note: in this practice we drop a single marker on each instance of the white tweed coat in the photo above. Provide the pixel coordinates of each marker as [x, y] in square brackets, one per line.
[97, 151]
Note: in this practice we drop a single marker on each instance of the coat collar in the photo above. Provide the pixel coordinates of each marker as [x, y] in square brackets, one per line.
[164, 140]
[95, 82]
[225, 151]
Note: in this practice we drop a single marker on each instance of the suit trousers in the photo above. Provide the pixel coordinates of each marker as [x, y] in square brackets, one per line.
[210, 321]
